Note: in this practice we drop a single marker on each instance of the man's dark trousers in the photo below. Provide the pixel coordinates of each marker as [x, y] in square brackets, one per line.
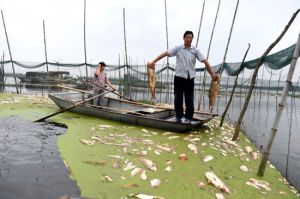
[186, 87]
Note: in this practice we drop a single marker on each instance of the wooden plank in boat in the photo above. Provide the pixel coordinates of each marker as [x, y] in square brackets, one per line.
[196, 117]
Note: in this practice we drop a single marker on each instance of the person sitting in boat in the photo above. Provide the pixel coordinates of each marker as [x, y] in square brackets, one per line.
[100, 79]
[185, 73]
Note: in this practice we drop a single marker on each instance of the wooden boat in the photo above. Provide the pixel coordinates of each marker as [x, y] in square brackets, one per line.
[42, 77]
[130, 112]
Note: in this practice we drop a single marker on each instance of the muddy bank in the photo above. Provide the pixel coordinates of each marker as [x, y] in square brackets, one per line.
[30, 163]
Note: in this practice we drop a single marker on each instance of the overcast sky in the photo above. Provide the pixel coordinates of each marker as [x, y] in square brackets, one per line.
[258, 22]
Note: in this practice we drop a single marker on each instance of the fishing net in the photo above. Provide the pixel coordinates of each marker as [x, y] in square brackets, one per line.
[274, 61]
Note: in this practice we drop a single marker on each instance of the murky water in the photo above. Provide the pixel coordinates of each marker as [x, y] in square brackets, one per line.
[257, 123]
[30, 165]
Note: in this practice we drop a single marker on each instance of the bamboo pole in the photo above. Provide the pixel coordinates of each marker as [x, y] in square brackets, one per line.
[280, 107]
[2, 83]
[242, 81]
[90, 82]
[261, 83]
[210, 41]
[161, 82]
[270, 84]
[73, 89]
[229, 38]
[126, 58]
[227, 81]
[120, 75]
[227, 45]
[144, 79]
[124, 72]
[233, 89]
[11, 59]
[260, 62]
[289, 140]
[137, 79]
[278, 82]
[268, 98]
[297, 85]
[198, 36]
[167, 83]
[84, 40]
[46, 57]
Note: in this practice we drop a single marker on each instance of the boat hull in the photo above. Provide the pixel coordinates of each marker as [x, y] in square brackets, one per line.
[162, 120]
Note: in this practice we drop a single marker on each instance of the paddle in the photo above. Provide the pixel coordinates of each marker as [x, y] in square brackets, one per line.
[88, 81]
[70, 107]
[73, 89]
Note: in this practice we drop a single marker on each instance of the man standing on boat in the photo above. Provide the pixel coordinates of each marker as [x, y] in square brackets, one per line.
[185, 73]
[100, 79]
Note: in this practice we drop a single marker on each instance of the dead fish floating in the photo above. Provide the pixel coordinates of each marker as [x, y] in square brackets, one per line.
[86, 142]
[213, 92]
[207, 158]
[67, 166]
[217, 182]
[155, 183]
[135, 171]
[173, 137]
[248, 149]
[220, 196]
[258, 184]
[169, 168]
[143, 175]
[254, 155]
[165, 149]
[169, 133]
[130, 185]
[193, 148]
[183, 157]
[106, 179]
[115, 156]
[200, 183]
[145, 131]
[194, 140]
[95, 162]
[105, 126]
[232, 143]
[96, 138]
[189, 137]
[148, 164]
[168, 161]
[151, 79]
[129, 166]
[143, 196]
[244, 168]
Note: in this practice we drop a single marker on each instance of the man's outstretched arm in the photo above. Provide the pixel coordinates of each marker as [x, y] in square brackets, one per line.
[158, 58]
[211, 72]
